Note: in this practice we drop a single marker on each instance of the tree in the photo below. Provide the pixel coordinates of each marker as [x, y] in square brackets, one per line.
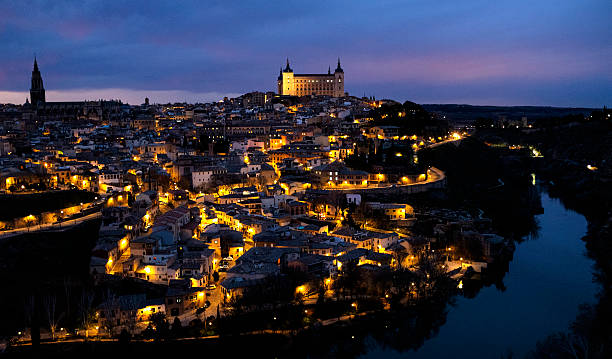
[337, 199]
[50, 305]
[161, 325]
[33, 307]
[109, 308]
[184, 183]
[29, 308]
[201, 311]
[400, 256]
[87, 315]
[67, 292]
[177, 327]
[320, 304]
[131, 305]
[149, 332]
[124, 337]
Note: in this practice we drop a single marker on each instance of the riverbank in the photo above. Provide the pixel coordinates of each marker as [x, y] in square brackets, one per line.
[577, 170]
[252, 346]
[548, 279]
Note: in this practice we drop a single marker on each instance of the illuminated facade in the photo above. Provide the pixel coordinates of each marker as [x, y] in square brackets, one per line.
[330, 84]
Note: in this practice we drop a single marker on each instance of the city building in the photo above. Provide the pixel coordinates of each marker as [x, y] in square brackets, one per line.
[330, 84]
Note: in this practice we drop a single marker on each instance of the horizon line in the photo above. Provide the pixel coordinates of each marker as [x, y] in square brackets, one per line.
[131, 96]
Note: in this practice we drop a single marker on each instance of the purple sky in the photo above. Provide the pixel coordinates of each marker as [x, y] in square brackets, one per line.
[518, 52]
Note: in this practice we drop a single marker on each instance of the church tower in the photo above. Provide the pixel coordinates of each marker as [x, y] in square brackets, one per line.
[338, 81]
[37, 90]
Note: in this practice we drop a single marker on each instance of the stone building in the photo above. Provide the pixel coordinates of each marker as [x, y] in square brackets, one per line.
[329, 84]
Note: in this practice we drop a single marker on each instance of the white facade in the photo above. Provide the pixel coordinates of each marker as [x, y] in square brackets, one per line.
[201, 178]
[110, 177]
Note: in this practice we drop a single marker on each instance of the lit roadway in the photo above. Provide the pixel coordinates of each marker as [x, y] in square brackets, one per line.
[42, 227]
[433, 175]
[433, 145]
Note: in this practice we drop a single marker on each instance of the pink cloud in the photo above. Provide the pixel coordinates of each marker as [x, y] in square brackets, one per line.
[454, 68]
[125, 95]
[75, 29]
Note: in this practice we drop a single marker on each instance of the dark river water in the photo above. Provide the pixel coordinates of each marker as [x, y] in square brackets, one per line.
[549, 278]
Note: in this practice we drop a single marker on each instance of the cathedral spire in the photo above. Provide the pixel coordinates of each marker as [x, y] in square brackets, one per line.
[37, 90]
[339, 69]
[329, 70]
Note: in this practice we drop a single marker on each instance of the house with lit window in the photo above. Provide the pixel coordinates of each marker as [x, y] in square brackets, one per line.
[295, 208]
[384, 132]
[235, 286]
[180, 299]
[128, 309]
[312, 264]
[336, 174]
[392, 211]
[362, 256]
[178, 197]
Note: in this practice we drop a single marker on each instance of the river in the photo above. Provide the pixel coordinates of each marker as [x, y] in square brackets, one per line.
[549, 277]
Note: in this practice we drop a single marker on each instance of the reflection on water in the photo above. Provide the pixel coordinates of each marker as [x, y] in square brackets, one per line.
[548, 278]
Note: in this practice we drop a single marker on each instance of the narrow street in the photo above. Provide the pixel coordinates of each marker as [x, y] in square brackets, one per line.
[215, 297]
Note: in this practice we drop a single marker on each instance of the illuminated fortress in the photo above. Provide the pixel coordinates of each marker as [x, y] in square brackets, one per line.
[330, 84]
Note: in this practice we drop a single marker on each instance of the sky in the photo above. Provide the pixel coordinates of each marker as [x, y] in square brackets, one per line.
[482, 52]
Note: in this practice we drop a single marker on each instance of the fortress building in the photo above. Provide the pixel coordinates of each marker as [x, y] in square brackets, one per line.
[330, 84]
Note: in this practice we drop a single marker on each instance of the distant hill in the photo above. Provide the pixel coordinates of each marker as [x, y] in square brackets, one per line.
[468, 113]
